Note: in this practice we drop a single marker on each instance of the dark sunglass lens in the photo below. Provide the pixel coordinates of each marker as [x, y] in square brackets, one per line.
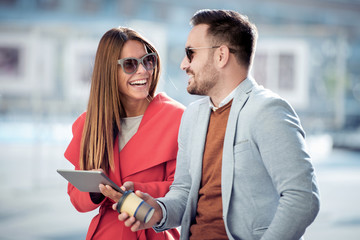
[149, 62]
[189, 53]
[130, 65]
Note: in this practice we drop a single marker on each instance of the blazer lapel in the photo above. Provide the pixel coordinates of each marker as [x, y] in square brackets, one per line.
[149, 146]
[196, 157]
[199, 137]
[227, 172]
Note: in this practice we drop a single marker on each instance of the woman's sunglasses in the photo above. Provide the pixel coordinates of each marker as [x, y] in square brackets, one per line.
[130, 65]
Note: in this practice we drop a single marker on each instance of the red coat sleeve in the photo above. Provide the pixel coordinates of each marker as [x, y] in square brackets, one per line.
[80, 200]
[159, 189]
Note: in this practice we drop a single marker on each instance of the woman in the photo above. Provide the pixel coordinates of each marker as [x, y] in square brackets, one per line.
[126, 131]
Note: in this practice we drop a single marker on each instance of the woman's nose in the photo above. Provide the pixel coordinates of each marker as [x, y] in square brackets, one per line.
[141, 68]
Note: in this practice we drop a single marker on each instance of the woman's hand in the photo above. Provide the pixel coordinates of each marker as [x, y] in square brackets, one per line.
[109, 192]
[114, 195]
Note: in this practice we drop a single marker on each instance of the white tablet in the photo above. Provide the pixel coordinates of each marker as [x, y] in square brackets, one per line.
[87, 181]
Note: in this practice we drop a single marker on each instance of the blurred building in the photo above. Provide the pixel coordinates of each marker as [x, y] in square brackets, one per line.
[308, 52]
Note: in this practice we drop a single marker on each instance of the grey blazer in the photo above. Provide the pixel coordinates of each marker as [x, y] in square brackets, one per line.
[269, 190]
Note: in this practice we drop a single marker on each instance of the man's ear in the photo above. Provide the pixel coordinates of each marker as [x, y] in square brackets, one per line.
[223, 56]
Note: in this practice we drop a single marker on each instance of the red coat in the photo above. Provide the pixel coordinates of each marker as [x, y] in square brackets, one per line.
[148, 160]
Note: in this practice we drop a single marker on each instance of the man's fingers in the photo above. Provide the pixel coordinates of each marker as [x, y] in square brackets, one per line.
[135, 227]
[128, 185]
[130, 221]
[114, 206]
[142, 195]
[123, 216]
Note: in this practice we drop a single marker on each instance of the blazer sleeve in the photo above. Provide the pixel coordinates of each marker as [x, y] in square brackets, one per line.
[80, 200]
[281, 142]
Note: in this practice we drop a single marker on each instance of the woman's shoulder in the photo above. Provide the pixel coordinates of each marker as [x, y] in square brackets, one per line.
[79, 122]
[168, 102]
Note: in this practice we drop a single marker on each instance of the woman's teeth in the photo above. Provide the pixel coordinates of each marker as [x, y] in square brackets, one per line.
[138, 82]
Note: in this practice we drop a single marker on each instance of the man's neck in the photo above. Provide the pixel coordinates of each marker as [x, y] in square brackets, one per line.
[217, 98]
[218, 95]
[229, 79]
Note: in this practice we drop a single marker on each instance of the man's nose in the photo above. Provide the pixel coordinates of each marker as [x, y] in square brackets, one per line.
[184, 63]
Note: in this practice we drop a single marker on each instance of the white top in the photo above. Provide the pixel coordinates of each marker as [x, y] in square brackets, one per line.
[129, 127]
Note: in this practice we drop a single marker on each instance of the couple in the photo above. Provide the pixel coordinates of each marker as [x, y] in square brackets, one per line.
[242, 169]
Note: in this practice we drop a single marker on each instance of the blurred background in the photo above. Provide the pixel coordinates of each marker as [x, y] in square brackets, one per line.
[308, 52]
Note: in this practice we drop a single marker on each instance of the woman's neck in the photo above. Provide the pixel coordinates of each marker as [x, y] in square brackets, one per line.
[136, 108]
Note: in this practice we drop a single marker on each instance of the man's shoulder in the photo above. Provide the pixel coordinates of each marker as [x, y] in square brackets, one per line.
[263, 96]
[192, 111]
[195, 104]
[265, 102]
[262, 92]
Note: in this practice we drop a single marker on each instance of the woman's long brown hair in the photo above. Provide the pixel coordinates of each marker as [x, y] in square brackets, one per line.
[105, 109]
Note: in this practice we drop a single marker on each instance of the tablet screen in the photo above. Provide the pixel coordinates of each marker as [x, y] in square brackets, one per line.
[87, 181]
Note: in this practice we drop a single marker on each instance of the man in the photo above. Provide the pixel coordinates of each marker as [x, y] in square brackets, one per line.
[242, 167]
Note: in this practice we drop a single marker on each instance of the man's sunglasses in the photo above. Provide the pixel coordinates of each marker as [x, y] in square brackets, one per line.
[130, 65]
[189, 51]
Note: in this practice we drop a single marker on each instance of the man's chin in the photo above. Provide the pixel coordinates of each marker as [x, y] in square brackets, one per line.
[192, 91]
[195, 92]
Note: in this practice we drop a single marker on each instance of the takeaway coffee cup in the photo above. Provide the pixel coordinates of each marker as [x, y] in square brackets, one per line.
[135, 206]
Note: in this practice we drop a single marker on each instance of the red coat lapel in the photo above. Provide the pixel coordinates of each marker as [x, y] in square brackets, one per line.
[153, 144]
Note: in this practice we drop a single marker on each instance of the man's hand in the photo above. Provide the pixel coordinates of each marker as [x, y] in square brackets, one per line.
[136, 225]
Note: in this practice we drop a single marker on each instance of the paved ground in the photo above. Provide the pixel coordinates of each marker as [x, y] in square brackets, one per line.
[34, 204]
[339, 181]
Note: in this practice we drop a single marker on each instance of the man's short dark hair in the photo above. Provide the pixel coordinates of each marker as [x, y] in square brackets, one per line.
[229, 28]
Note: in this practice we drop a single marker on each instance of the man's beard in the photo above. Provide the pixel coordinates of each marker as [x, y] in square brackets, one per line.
[206, 80]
